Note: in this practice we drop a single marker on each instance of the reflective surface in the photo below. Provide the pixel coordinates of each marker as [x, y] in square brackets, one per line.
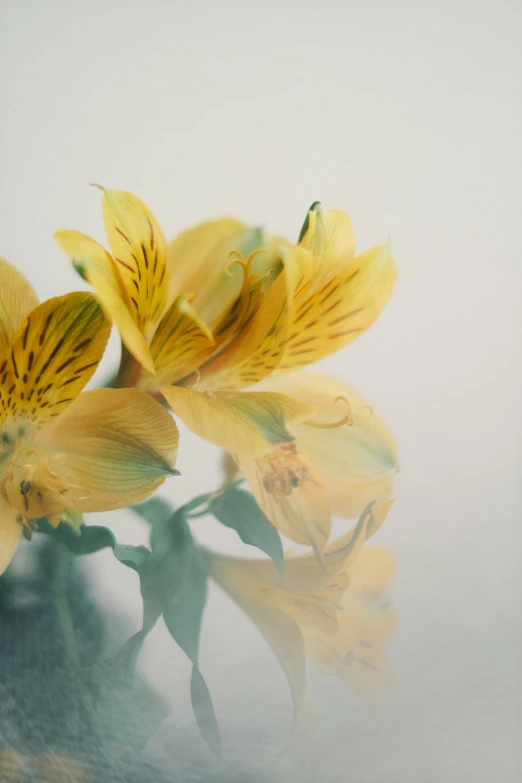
[408, 118]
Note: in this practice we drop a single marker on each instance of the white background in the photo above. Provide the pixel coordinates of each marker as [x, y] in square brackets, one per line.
[407, 115]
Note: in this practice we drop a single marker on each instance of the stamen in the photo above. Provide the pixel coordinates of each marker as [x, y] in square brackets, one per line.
[332, 425]
[235, 257]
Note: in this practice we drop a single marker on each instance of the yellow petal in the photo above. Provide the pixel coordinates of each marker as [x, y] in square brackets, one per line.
[340, 310]
[10, 534]
[239, 318]
[329, 236]
[368, 619]
[286, 640]
[259, 346]
[178, 343]
[246, 422]
[280, 630]
[102, 272]
[355, 653]
[54, 355]
[119, 444]
[199, 261]
[372, 569]
[349, 655]
[358, 461]
[198, 257]
[139, 247]
[17, 299]
[240, 363]
[290, 492]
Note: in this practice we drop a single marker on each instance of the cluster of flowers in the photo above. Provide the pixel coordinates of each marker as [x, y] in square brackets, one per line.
[223, 308]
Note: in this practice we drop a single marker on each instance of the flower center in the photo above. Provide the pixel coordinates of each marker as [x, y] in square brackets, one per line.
[35, 484]
[284, 470]
[11, 435]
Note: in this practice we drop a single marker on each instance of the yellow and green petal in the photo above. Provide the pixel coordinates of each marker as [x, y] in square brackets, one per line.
[54, 355]
[102, 272]
[243, 423]
[119, 444]
[17, 299]
[10, 533]
[358, 460]
[140, 250]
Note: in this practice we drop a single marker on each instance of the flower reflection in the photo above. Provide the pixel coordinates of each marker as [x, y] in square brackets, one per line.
[355, 651]
[335, 612]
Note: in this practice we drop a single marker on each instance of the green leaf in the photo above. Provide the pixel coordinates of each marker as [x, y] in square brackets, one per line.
[165, 571]
[183, 616]
[184, 612]
[204, 712]
[93, 538]
[154, 510]
[238, 510]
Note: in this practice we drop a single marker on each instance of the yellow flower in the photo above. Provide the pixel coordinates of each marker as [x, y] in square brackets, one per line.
[159, 302]
[328, 611]
[61, 452]
[227, 306]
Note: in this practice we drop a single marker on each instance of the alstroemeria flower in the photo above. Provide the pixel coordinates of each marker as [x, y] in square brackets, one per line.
[61, 452]
[312, 610]
[184, 317]
[334, 465]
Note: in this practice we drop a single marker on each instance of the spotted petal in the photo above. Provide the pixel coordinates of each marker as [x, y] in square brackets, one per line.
[119, 444]
[54, 355]
[341, 309]
[178, 343]
[329, 236]
[139, 248]
[259, 347]
[102, 272]
[17, 299]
